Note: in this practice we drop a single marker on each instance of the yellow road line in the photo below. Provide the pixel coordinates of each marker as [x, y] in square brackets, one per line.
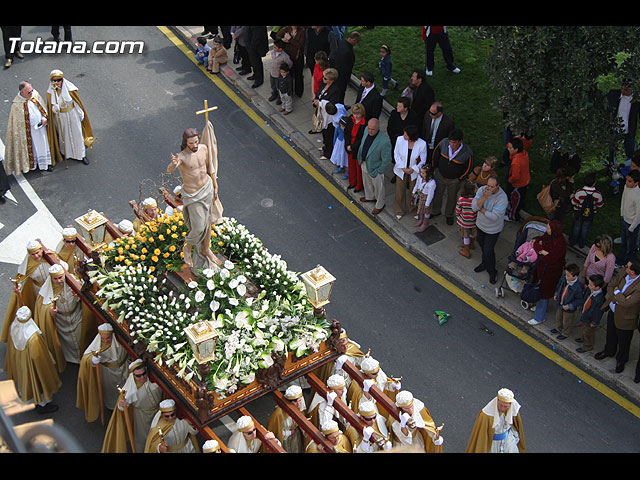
[400, 250]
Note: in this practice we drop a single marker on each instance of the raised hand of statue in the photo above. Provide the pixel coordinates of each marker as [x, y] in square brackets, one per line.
[175, 163]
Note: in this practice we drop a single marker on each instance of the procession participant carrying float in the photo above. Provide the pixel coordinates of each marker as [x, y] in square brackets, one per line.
[218, 338]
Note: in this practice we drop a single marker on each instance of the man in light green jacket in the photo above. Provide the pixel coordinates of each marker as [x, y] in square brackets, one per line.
[374, 156]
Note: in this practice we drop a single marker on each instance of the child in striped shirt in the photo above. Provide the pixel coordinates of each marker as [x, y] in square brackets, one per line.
[466, 219]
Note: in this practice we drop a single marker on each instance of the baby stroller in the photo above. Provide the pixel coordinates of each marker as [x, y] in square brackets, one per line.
[521, 266]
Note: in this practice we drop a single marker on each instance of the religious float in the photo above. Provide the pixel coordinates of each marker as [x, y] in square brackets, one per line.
[217, 340]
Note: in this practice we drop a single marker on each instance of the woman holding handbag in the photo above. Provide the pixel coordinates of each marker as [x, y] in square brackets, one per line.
[551, 249]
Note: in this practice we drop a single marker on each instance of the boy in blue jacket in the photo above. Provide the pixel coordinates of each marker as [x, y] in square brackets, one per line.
[591, 312]
[569, 299]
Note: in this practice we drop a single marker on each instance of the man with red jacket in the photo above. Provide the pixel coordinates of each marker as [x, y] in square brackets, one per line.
[519, 177]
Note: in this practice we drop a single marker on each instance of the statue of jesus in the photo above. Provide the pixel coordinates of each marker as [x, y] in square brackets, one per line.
[199, 192]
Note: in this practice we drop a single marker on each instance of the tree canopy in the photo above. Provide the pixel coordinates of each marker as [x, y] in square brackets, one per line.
[553, 80]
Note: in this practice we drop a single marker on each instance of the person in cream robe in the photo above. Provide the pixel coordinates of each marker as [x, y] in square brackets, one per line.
[498, 427]
[70, 125]
[30, 365]
[107, 354]
[169, 434]
[140, 397]
[32, 273]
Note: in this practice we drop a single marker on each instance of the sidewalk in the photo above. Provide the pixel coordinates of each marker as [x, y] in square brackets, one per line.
[438, 245]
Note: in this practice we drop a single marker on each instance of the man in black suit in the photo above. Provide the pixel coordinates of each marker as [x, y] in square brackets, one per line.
[628, 110]
[423, 97]
[257, 41]
[369, 96]
[436, 126]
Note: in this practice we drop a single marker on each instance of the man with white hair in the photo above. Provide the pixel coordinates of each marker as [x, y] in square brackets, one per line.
[375, 435]
[321, 410]
[334, 435]
[285, 429]
[32, 273]
[70, 127]
[169, 434]
[245, 438]
[148, 214]
[106, 354]
[498, 426]
[58, 313]
[416, 427]
[29, 363]
[373, 375]
[141, 397]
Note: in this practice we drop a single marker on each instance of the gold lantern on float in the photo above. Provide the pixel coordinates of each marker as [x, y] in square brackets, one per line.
[202, 338]
[93, 227]
[318, 284]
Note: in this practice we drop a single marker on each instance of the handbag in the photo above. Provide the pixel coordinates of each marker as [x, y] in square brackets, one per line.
[317, 120]
[530, 292]
[545, 200]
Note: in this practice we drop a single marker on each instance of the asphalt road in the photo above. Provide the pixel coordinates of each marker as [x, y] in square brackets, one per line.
[140, 104]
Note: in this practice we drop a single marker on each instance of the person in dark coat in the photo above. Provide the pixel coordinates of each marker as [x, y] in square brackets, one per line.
[317, 41]
[4, 182]
[551, 249]
[369, 96]
[343, 61]
[616, 99]
[257, 42]
[423, 96]
[399, 119]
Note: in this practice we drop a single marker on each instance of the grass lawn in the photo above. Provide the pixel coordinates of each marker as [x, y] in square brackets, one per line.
[468, 97]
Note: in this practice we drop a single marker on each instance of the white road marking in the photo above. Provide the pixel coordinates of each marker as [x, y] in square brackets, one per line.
[41, 224]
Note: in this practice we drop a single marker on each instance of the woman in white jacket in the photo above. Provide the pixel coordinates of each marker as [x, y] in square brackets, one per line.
[409, 155]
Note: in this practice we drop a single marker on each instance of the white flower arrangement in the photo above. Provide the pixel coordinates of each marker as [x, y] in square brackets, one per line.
[278, 319]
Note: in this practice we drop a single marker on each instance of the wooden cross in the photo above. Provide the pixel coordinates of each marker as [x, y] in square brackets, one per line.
[206, 111]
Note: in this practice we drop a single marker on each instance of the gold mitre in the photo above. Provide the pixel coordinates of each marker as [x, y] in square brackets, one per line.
[56, 270]
[329, 427]
[367, 409]
[149, 203]
[210, 446]
[56, 73]
[293, 392]
[167, 405]
[335, 382]
[404, 399]
[33, 246]
[69, 233]
[244, 423]
[505, 395]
